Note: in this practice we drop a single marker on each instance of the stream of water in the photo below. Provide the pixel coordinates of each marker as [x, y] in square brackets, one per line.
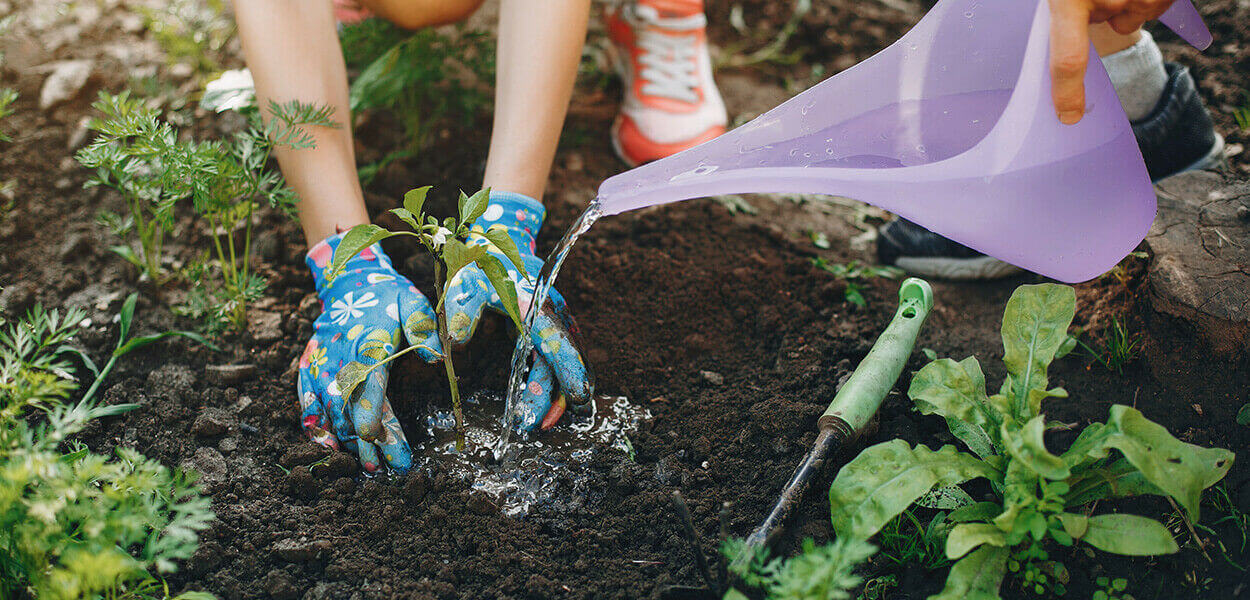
[525, 345]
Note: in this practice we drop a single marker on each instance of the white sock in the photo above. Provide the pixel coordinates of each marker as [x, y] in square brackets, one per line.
[1138, 76]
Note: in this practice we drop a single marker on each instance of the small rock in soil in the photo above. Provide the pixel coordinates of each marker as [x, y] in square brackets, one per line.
[279, 586]
[172, 380]
[712, 378]
[266, 326]
[211, 466]
[246, 407]
[224, 375]
[16, 299]
[328, 591]
[301, 549]
[310, 306]
[76, 244]
[213, 421]
[78, 136]
[66, 80]
[228, 445]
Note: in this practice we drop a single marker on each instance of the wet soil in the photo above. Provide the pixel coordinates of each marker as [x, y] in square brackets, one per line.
[716, 323]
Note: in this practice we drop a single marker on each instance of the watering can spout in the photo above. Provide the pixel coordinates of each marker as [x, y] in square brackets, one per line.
[951, 127]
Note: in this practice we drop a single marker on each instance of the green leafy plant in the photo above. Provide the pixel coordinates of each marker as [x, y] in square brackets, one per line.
[7, 97]
[74, 524]
[856, 275]
[824, 572]
[1120, 349]
[1111, 589]
[905, 540]
[1041, 497]
[426, 79]
[154, 168]
[1242, 115]
[446, 243]
[1243, 414]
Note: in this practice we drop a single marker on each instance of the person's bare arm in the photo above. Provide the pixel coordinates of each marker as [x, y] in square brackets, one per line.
[293, 53]
[540, 44]
[1070, 37]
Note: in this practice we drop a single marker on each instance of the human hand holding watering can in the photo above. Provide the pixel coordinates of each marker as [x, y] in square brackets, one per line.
[1070, 38]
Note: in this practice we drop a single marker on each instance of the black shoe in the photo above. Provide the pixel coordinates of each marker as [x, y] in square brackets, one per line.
[1177, 136]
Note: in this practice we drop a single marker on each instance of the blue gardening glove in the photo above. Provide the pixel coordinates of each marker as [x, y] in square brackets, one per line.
[559, 374]
[363, 311]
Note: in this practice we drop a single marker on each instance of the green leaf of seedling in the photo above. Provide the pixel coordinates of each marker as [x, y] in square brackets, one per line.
[498, 236]
[1028, 447]
[956, 391]
[473, 206]
[503, 285]
[354, 241]
[129, 254]
[1035, 327]
[126, 317]
[350, 377]
[139, 342]
[734, 594]
[406, 216]
[885, 479]
[1243, 415]
[945, 498]
[967, 536]
[414, 201]
[457, 256]
[1129, 535]
[977, 576]
[1074, 525]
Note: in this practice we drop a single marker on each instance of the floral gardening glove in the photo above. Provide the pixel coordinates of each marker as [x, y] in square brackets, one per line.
[559, 359]
[363, 311]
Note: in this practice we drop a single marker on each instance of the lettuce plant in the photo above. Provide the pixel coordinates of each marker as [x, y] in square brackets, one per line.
[75, 524]
[1040, 497]
[446, 243]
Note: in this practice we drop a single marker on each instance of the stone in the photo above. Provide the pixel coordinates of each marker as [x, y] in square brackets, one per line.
[225, 375]
[303, 454]
[1200, 257]
[310, 306]
[280, 586]
[78, 136]
[172, 380]
[75, 244]
[214, 421]
[16, 299]
[65, 81]
[265, 326]
[712, 378]
[300, 549]
[210, 465]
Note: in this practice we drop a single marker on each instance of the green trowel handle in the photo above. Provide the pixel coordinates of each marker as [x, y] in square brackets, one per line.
[862, 394]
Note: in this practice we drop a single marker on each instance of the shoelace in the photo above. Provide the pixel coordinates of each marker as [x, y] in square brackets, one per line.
[668, 61]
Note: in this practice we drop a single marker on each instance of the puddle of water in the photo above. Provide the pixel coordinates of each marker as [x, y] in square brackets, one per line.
[547, 469]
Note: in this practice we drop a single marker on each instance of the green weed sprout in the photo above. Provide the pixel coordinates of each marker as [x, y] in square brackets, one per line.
[855, 275]
[824, 572]
[446, 244]
[1242, 115]
[1120, 349]
[74, 524]
[7, 98]
[425, 78]
[1041, 498]
[154, 168]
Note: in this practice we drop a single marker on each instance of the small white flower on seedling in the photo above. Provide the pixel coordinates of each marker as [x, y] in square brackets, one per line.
[440, 237]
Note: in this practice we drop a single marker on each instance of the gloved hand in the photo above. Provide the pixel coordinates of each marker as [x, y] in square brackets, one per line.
[559, 359]
[363, 311]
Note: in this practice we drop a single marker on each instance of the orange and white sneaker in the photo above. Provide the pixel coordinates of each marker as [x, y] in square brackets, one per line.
[671, 102]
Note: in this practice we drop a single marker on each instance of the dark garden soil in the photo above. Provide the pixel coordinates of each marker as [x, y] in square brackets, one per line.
[717, 323]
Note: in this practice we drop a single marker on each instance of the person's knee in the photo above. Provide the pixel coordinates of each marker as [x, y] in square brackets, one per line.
[410, 14]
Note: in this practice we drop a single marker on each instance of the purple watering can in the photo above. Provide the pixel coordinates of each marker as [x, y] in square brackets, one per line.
[951, 127]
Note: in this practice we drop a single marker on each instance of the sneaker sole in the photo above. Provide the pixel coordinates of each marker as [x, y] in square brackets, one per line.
[957, 269]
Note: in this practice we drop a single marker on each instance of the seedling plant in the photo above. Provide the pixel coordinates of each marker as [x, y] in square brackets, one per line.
[856, 275]
[154, 168]
[824, 572]
[75, 524]
[453, 245]
[1040, 498]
